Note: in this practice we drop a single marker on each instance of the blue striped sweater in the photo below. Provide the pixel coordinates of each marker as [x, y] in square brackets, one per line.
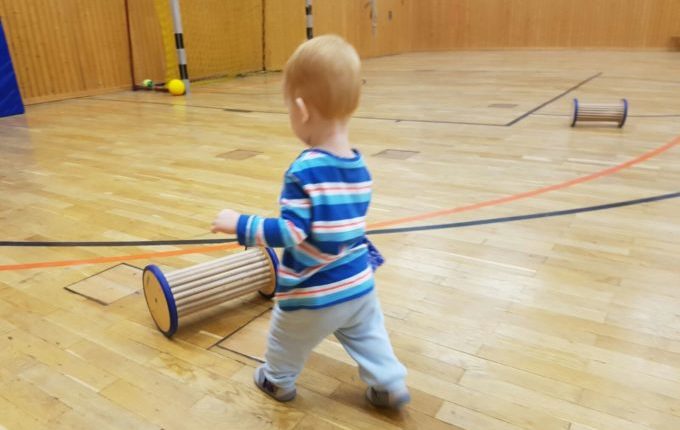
[322, 228]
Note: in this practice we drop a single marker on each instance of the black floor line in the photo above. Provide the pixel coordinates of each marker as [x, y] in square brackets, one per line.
[429, 121]
[670, 115]
[374, 118]
[273, 112]
[509, 124]
[95, 244]
[541, 106]
[632, 78]
[370, 232]
[526, 216]
[153, 103]
[661, 115]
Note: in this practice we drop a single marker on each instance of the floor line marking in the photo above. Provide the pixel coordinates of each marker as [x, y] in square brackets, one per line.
[488, 203]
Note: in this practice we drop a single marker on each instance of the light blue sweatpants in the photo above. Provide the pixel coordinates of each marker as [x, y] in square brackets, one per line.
[359, 326]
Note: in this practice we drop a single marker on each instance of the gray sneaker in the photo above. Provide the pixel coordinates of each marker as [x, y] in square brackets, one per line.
[272, 390]
[391, 400]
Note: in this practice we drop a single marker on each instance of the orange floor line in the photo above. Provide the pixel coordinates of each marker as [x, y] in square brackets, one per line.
[507, 199]
[494, 202]
[119, 258]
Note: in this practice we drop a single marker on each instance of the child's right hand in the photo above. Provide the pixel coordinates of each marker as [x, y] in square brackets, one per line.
[226, 222]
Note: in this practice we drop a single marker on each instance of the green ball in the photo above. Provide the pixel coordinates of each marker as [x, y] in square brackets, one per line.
[148, 83]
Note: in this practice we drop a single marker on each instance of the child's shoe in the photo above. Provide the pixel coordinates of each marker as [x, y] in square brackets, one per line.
[268, 387]
[384, 399]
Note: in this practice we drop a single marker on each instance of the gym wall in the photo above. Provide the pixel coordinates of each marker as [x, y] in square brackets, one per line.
[427, 25]
[69, 48]
[66, 49]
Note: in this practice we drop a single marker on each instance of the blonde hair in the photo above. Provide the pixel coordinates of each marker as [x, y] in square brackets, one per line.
[324, 72]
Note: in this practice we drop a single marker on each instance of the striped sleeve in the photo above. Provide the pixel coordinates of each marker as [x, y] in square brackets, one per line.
[289, 230]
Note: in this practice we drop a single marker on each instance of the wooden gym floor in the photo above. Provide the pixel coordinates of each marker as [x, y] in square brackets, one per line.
[556, 320]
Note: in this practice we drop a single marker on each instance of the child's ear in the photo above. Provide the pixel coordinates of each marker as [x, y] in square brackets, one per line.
[304, 112]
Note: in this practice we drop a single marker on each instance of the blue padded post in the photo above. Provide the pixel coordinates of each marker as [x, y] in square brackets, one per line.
[10, 97]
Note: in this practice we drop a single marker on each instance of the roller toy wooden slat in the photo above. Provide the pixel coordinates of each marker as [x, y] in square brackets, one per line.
[591, 112]
[174, 296]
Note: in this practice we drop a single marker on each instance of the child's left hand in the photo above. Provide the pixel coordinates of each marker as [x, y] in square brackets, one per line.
[225, 222]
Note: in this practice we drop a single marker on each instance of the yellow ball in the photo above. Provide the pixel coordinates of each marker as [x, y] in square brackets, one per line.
[176, 87]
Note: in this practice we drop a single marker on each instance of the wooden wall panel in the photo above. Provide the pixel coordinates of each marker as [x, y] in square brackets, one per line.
[474, 24]
[394, 30]
[663, 20]
[67, 48]
[438, 24]
[102, 43]
[422, 25]
[350, 19]
[222, 37]
[147, 42]
[354, 21]
[284, 30]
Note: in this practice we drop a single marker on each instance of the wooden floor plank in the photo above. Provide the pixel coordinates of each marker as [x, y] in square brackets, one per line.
[560, 322]
[75, 395]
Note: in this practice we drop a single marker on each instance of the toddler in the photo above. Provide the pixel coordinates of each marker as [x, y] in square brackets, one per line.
[325, 279]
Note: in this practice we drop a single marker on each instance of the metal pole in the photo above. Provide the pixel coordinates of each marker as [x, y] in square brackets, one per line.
[179, 44]
[310, 19]
[129, 37]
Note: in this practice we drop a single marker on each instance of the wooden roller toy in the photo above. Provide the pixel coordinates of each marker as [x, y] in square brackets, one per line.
[172, 297]
[591, 112]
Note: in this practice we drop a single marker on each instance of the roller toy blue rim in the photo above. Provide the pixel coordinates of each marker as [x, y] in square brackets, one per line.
[170, 300]
[625, 112]
[573, 123]
[274, 258]
[275, 262]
